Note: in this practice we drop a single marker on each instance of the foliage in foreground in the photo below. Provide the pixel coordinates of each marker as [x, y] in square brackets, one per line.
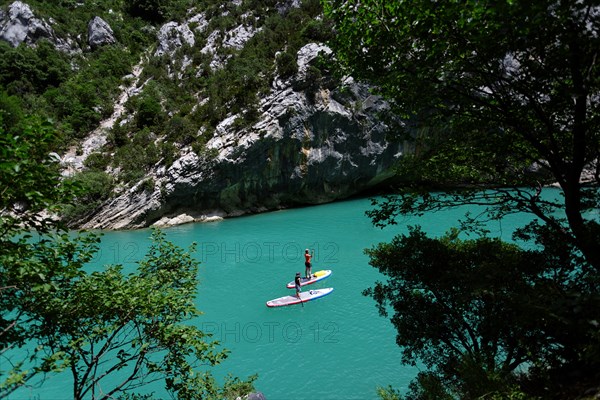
[58, 317]
[501, 95]
[478, 313]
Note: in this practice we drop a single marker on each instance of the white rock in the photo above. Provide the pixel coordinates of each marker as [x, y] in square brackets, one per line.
[172, 36]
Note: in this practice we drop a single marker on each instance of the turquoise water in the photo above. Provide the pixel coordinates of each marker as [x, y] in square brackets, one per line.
[337, 347]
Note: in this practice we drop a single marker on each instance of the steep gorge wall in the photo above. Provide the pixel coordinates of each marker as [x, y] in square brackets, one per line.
[300, 153]
[308, 147]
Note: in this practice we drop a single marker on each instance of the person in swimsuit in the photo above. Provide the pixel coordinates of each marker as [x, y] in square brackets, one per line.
[307, 264]
[297, 283]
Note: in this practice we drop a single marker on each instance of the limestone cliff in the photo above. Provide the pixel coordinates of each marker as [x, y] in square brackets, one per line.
[307, 147]
[301, 152]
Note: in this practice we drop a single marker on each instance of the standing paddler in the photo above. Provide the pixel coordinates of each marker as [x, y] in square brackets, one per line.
[307, 264]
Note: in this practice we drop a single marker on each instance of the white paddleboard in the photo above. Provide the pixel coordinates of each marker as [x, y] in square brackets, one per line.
[316, 277]
[304, 297]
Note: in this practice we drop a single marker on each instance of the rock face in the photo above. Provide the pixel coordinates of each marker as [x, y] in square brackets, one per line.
[312, 144]
[256, 396]
[100, 33]
[19, 25]
[308, 148]
[172, 36]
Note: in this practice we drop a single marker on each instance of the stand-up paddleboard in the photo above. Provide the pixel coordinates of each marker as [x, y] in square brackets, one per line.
[304, 297]
[316, 277]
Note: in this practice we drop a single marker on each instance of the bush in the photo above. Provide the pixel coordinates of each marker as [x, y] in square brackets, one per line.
[181, 130]
[97, 161]
[96, 187]
[149, 112]
[36, 69]
[287, 65]
[318, 31]
[11, 112]
[136, 158]
[149, 10]
[147, 185]
[168, 153]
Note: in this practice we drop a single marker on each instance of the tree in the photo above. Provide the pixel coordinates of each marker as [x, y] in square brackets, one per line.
[504, 87]
[501, 96]
[33, 69]
[93, 324]
[470, 310]
[30, 193]
[11, 111]
[149, 112]
[150, 10]
[135, 330]
[29, 181]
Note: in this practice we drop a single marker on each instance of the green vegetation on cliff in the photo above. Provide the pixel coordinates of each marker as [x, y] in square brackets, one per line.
[172, 100]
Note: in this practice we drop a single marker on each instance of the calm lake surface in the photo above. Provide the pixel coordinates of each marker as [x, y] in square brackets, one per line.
[337, 347]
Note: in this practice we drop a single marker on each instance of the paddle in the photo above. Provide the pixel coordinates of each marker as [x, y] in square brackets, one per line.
[296, 282]
[300, 298]
[312, 256]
